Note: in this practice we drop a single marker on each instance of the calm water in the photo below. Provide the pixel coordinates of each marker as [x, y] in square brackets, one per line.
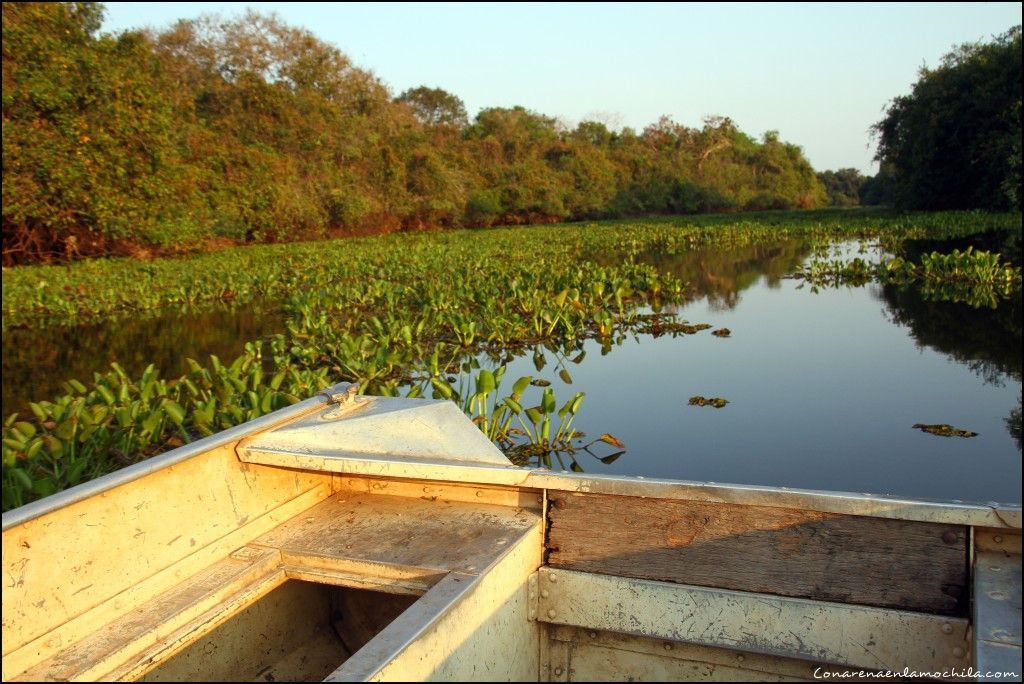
[38, 360]
[823, 388]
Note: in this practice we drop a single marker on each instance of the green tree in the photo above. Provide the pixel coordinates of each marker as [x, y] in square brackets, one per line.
[843, 186]
[90, 140]
[877, 190]
[435, 107]
[955, 141]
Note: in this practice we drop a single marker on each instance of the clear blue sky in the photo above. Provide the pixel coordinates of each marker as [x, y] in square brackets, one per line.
[820, 74]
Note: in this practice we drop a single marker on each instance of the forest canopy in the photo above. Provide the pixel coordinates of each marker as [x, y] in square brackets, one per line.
[955, 141]
[250, 130]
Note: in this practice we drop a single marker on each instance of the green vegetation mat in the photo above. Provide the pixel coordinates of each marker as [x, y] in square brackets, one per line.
[407, 313]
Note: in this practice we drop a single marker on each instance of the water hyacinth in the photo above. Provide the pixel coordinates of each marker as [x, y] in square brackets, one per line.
[408, 314]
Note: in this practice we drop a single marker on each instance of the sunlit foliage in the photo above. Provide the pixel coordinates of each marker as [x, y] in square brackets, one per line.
[249, 130]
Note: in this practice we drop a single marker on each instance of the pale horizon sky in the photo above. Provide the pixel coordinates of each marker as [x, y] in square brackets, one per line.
[821, 74]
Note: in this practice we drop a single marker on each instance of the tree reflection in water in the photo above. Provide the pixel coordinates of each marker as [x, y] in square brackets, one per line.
[988, 341]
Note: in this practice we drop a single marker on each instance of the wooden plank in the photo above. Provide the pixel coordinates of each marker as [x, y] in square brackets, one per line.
[808, 554]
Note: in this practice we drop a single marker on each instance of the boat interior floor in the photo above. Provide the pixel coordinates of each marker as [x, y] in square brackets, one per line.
[344, 569]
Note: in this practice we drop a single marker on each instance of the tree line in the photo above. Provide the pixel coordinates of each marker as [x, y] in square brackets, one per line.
[250, 130]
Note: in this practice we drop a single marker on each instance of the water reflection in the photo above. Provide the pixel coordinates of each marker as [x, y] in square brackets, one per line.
[38, 360]
[823, 390]
[1005, 242]
[988, 341]
[721, 275]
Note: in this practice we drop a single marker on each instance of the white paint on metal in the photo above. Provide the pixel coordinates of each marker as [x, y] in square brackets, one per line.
[877, 506]
[840, 634]
[149, 466]
[420, 429]
[608, 656]
[465, 628]
[997, 613]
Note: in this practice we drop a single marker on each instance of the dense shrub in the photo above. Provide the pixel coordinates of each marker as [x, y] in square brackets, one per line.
[250, 130]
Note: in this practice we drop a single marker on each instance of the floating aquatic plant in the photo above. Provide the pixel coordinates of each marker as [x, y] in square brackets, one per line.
[716, 402]
[944, 430]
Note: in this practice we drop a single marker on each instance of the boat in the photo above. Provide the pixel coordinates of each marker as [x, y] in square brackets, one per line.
[350, 538]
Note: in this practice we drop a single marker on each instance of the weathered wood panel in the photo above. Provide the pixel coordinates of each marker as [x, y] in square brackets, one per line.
[788, 552]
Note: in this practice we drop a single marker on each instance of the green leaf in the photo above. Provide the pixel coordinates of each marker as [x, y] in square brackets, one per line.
[108, 396]
[485, 382]
[520, 385]
[175, 411]
[28, 430]
[37, 410]
[548, 400]
[442, 387]
[22, 477]
[514, 405]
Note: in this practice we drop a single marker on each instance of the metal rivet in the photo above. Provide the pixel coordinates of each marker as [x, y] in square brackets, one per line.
[998, 539]
[995, 568]
[958, 652]
[426, 489]
[997, 595]
[544, 593]
[552, 577]
[949, 536]
[552, 613]
[540, 499]
[592, 635]
[947, 628]
[668, 647]
[739, 658]
[479, 493]
[558, 670]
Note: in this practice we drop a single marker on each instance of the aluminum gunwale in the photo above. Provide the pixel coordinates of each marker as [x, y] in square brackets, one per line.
[992, 514]
[39, 508]
[849, 503]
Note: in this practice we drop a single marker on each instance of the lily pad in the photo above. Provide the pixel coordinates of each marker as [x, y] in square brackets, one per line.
[944, 430]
